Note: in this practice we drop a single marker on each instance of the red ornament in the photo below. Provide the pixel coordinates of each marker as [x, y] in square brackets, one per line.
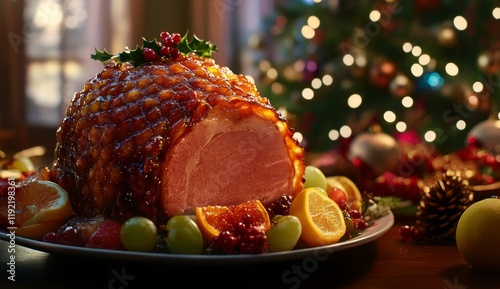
[382, 73]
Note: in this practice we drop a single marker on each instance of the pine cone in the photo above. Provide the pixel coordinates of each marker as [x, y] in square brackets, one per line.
[441, 206]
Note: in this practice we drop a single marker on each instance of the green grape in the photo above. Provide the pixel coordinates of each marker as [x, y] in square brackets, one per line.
[184, 236]
[314, 177]
[139, 234]
[284, 233]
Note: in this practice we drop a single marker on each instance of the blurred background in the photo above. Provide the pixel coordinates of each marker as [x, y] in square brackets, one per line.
[421, 71]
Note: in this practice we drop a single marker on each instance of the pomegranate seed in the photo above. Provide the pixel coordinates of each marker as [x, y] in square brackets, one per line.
[354, 214]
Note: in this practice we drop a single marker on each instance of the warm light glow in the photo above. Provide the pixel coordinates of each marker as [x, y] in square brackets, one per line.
[424, 59]
[461, 124]
[354, 101]
[430, 136]
[416, 51]
[407, 101]
[299, 65]
[348, 59]
[375, 15]
[316, 83]
[389, 116]
[407, 47]
[496, 13]
[360, 61]
[401, 126]
[308, 93]
[460, 22]
[345, 131]
[417, 70]
[333, 134]
[327, 79]
[264, 65]
[313, 22]
[272, 73]
[477, 86]
[307, 32]
[451, 68]
[298, 136]
[277, 88]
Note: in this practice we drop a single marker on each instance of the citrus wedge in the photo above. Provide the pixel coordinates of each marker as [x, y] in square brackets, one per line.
[37, 231]
[321, 218]
[41, 201]
[354, 198]
[214, 219]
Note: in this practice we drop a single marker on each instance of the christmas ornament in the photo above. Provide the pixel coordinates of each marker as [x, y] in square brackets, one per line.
[441, 206]
[487, 134]
[401, 86]
[379, 151]
[382, 72]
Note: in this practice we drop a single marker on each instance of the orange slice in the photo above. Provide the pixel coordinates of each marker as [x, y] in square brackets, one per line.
[321, 218]
[354, 198]
[214, 219]
[37, 231]
[41, 201]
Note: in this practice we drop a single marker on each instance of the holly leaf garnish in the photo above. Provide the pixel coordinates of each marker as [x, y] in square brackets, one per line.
[154, 52]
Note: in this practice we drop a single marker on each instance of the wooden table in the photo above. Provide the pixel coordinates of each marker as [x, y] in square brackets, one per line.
[385, 263]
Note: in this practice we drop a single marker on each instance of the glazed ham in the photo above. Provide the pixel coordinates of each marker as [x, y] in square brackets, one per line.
[160, 139]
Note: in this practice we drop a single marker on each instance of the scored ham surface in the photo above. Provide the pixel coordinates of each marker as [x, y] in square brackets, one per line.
[160, 139]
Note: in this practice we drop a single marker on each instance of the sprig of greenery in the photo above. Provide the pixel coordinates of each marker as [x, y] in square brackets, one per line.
[136, 57]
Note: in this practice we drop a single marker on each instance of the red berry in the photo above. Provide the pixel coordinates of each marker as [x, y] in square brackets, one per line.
[176, 37]
[106, 236]
[355, 214]
[165, 51]
[168, 41]
[225, 243]
[150, 54]
[174, 53]
[164, 35]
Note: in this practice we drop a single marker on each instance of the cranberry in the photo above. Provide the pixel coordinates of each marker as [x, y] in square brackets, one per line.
[224, 243]
[355, 214]
[410, 233]
[281, 206]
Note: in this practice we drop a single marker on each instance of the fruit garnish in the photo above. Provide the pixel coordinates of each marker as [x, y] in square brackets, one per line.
[106, 236]
[321, 218]
[212, 220]
[169, 47]
[139, 234]
[184, 236]
[37, 231]
[354, 197]
[41, 201]
[314, 177]
[75, 232]
[284, 233]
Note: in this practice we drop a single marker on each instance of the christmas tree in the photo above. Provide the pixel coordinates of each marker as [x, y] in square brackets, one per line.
[422, 68]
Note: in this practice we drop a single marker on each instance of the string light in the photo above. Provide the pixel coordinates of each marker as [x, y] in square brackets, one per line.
[327, 79]
[308, 32]
[407, 101]
[477, 86]
[461, 124]
[451, 68]
[333, 134]
[417, 70]
[374, 15]
[416, 51]
[389, 116]
[460, 23]
[345, 131]
[407, 47]
[424, 59]
[354, 101]
[348, 59]
[313, 22]
[401, 126]
[430, 136]
[496, 13]
[308, 93]
[316, 83]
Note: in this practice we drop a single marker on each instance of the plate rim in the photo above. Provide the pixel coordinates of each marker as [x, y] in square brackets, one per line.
[379, 228]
